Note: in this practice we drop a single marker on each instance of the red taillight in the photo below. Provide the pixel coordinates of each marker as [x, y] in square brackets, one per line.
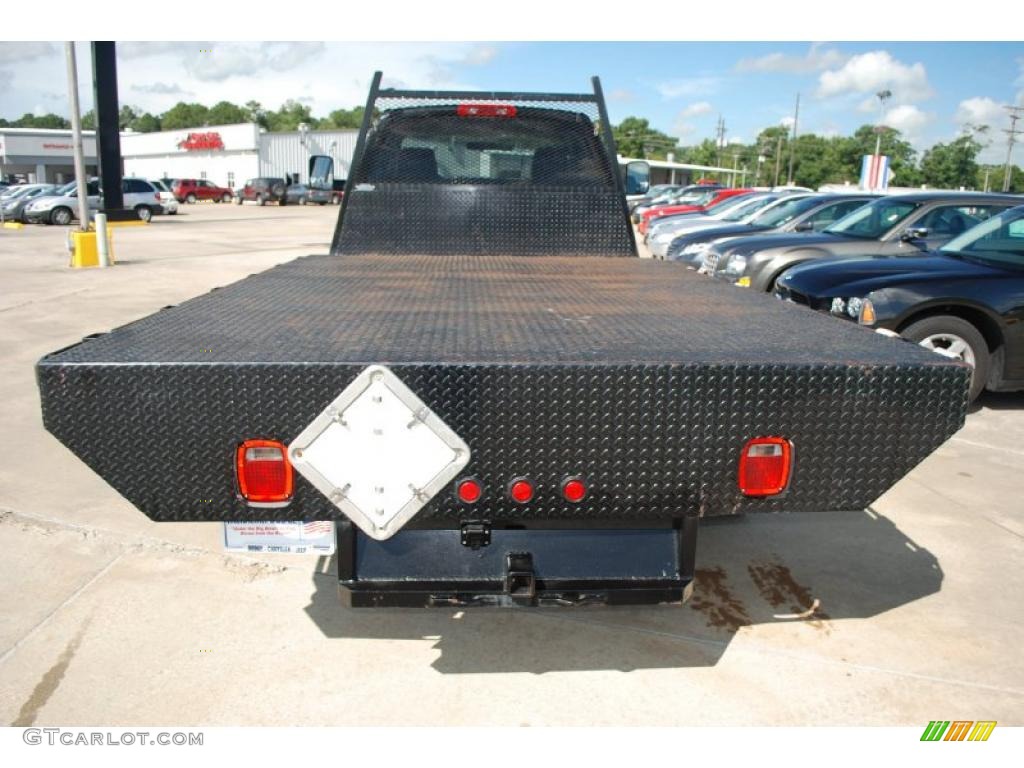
[264, 473]
[469, 490]
[485, 110]
[574, 489]
[157, 197]
[765, 466]
[521, 490]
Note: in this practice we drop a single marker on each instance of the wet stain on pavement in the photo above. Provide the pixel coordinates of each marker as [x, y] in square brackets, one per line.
[49, 682]
[713, 598]
[780, 590]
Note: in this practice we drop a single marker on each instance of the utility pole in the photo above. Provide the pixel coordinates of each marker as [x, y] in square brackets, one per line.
[719, 140]
[792, 144]
[1011, 137]
[76, 137]
[778, 157]
[735, 166]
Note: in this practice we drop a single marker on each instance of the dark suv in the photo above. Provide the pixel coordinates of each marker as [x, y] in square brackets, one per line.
[263, 190]
[193, 190]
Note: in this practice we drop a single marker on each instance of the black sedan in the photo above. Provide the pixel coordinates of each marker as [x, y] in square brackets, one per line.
[303, 193]
[965, 300]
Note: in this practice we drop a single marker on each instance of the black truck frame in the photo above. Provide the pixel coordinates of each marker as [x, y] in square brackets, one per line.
[483, 255]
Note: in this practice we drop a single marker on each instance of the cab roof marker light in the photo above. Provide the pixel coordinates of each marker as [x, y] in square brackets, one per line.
[485, 110]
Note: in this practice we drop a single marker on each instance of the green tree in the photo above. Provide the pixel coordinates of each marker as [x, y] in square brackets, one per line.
[226, 113]
[995, 175]
[183, 115]
[289, 116]
[255, 113]
[344, 118]
[634, 137]
[145, 123]
[28, 120]
[952, 165]
[88, 120]
[902, 156]
[126, 116]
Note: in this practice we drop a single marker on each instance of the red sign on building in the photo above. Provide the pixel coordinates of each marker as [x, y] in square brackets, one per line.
[200, 141]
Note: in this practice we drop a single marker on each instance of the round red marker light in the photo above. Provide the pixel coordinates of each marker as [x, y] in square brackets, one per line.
[469, 491]
[574, 489]
[521, 490]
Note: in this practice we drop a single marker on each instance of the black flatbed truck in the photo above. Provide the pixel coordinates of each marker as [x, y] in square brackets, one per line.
[483, 279]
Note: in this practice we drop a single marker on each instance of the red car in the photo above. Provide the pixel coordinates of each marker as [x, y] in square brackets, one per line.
[193, 190]
[713, 198]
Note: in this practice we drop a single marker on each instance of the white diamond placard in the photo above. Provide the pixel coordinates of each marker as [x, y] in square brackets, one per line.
[378, 452]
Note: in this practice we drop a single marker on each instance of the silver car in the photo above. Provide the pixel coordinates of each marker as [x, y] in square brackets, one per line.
[14, 199]
[62, 207]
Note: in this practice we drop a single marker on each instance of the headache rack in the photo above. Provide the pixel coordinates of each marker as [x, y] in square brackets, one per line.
[449, 172]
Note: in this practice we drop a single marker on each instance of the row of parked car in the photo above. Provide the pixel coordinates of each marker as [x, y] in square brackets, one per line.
[942, 269]
[53, 204]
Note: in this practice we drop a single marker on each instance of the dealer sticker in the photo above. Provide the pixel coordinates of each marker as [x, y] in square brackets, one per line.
[314, 538]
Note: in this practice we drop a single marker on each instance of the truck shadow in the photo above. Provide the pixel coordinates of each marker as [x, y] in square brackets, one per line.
[809, 569]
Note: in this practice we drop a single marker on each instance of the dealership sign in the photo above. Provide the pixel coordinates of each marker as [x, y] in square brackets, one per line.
[197, 142]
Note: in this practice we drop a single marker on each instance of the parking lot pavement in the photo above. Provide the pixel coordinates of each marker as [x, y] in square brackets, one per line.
[896, 615]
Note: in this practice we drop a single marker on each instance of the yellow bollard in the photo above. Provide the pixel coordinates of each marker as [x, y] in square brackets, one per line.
[84, 252]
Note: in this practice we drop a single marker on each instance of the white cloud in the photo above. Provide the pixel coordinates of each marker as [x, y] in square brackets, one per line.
[480, 54]
[223, 60]
[908, 120]
[981, 110]
[166, 89]
[867, 73]
[817, 59]
[17, 52]
[787, 121]
[688, 86]
[696, 109]
[621, 94]
[338, 76]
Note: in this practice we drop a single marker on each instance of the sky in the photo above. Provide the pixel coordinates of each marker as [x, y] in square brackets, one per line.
[682, 88]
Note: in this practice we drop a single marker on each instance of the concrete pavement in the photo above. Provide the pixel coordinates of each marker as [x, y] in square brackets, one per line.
[897, 615]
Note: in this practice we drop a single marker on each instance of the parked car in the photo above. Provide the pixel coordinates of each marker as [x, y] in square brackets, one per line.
[337, 191]
[663, 231]
[303, 193]
[263, 190]
[897, 225]
[62, 207]
[796, 213]
[167, 199]
[15, 199]
[656, 192]
[705, 200]
[963, 300]
[194, 190]
[675, 196]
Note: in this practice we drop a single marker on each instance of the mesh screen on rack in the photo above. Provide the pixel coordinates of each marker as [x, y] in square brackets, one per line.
[444, 174]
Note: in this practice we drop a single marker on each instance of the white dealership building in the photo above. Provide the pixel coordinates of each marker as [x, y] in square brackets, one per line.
[43, 155]
[227, 155]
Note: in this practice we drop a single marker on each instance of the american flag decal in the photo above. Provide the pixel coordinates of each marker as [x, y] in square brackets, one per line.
[317, 528]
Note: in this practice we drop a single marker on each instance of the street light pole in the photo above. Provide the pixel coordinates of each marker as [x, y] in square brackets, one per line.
[76, 138]
[883, 96]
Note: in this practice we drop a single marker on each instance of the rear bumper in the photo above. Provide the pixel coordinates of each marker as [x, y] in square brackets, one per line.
[517, 567]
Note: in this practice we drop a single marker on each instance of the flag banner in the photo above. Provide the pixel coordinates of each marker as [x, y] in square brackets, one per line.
[874, 172]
